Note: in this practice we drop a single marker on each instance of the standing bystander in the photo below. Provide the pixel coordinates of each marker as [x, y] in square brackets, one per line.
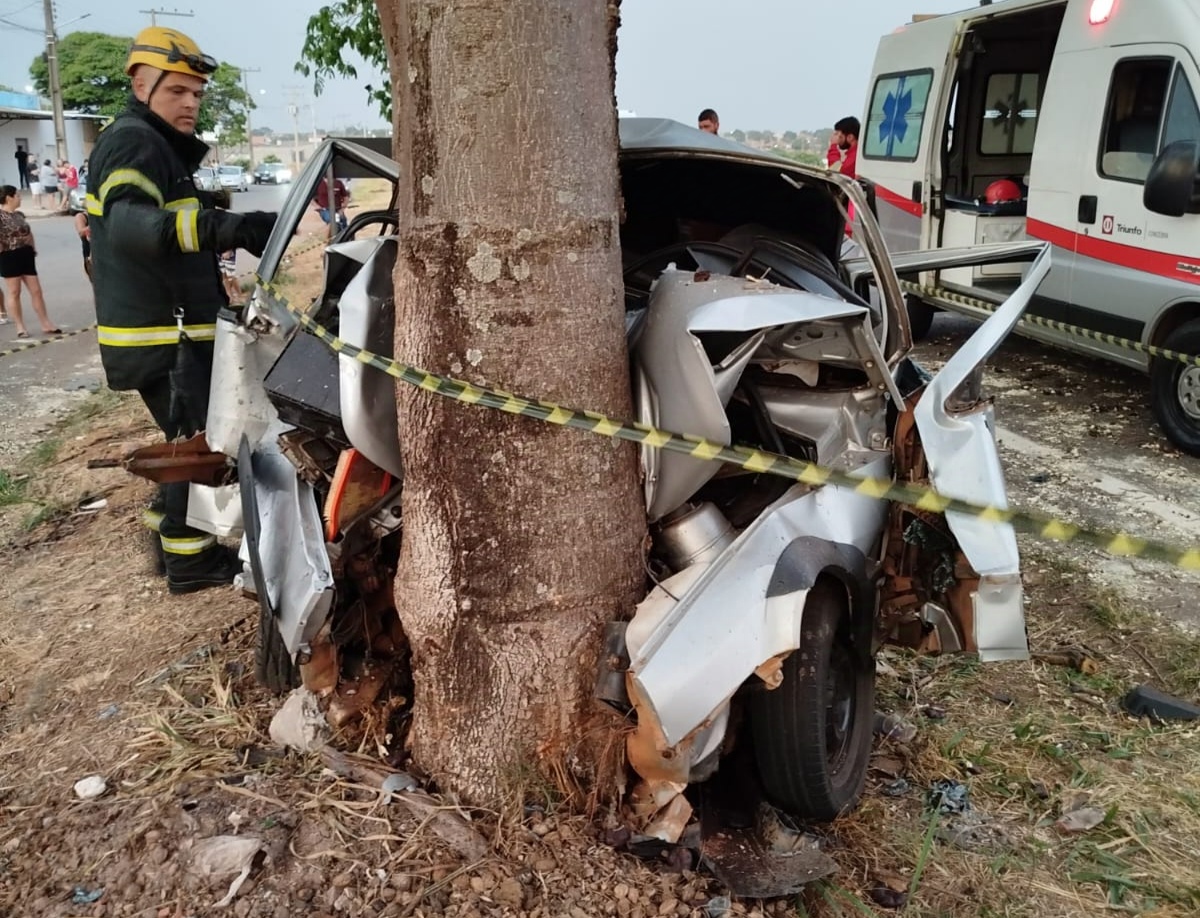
[49, 180]
[22, 167]
[708, 122]
[843, 147]
[18, 262]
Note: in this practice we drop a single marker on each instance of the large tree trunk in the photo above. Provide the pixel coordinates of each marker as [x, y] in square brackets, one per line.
[520, 539]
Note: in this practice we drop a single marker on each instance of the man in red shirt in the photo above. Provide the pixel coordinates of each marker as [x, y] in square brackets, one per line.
[340, 196]
[843, 147]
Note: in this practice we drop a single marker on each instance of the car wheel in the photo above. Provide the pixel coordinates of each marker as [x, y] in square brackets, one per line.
[1175, 389]
[812, 734]
[920, 316]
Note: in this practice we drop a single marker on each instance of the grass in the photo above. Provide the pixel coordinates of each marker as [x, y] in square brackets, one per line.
[1062, 742]
[13, 487]
[27, 488]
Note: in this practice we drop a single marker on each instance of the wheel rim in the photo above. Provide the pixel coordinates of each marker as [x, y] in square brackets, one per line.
[1187, 390]
[839, 705]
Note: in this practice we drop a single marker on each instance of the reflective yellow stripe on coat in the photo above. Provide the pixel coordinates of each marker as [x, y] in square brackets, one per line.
[132, 177]
[187, 234]
[152, 336]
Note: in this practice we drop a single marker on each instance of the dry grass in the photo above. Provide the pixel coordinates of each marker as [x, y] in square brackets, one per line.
[1061, 742]
[1030, 740]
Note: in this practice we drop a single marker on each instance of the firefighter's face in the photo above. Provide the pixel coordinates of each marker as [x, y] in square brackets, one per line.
[175, 98]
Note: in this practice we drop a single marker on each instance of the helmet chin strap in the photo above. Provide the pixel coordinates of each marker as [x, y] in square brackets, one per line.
[162, 75]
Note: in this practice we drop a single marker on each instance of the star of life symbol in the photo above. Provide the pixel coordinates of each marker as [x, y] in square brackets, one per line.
[894, 126]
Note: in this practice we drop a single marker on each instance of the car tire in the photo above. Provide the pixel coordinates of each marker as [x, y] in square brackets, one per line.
[920, 317]
[812, 734]
[1175, 389]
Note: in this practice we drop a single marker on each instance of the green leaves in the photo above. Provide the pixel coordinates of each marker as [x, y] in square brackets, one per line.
[346, 25]
[225, 106]
[91, 68]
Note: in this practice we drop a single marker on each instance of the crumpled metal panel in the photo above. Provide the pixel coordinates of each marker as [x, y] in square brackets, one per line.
[296, 571]
[960, 448]
[367, 319]
[237, 402]
[724, 626]
[676, 382]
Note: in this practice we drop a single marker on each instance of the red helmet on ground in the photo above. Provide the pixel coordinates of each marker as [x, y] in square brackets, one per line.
[1002, 190]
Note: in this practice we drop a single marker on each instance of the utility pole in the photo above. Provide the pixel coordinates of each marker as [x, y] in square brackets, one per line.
[249, 105]
[56, 101]
[293, 94]
[154, 14]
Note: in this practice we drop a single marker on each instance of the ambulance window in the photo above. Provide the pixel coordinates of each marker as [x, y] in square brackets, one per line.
[1183, 119]
[897, 115]
[1010, 114]
[1136, 100]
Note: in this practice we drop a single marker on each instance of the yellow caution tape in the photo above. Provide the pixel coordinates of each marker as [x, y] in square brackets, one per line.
[749, 458]
[24, 345]
[938, 293]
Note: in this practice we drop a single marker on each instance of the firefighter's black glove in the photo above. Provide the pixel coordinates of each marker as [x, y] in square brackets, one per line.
[254, 231]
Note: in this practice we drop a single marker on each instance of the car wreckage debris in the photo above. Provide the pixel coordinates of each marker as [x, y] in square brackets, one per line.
[1147, 701]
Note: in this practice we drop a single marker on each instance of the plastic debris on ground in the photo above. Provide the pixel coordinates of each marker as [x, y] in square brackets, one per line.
[1080, 819]
[91, 787]
[300, 724]
[225, 855]
[948, 796]
[82, 896]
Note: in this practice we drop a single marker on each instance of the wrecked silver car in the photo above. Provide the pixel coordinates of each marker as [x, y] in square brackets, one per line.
[752, 319]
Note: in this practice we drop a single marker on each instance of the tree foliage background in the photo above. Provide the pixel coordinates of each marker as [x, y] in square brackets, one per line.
[347, 25]
[91, 68]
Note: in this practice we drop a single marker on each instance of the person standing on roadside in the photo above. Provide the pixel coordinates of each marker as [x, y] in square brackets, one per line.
[18, 262]
[843, 147]
[69, 181]
[155, 240]
[708, 122]
[49, 179]
[22, 167]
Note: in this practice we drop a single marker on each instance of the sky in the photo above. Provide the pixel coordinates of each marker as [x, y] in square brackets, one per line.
[762, 64]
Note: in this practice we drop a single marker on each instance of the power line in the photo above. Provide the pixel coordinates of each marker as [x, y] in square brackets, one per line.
[18, 26]
[154, 14]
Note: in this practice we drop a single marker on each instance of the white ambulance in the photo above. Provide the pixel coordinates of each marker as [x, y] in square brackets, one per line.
[1071, 121]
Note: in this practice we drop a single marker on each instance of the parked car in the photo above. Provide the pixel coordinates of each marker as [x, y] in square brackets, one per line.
[77, 197]
[767, 597]
[207, 178]
[233, 178]
[272, 174]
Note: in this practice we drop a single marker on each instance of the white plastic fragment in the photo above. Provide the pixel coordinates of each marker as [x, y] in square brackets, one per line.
[299, 724]
[225, 855]
[91, 787]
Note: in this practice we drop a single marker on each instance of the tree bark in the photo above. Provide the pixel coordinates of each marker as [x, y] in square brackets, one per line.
[520, 539]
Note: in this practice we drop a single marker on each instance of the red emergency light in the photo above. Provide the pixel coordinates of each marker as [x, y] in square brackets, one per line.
[1101, 11]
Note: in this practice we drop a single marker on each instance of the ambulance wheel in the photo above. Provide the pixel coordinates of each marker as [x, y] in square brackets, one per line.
[812, 734]
[920, 317]
[1175, 390]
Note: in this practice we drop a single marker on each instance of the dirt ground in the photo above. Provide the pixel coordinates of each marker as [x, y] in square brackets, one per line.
[103, 674]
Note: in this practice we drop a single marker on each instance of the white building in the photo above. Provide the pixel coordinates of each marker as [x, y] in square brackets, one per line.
[24, 124]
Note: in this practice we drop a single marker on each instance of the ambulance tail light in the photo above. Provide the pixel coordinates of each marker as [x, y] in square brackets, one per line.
[1101, 11]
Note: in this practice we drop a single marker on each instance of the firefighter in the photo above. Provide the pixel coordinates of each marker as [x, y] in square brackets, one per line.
[155, 241]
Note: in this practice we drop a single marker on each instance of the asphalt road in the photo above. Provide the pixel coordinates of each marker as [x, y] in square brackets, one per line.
[54, 375]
